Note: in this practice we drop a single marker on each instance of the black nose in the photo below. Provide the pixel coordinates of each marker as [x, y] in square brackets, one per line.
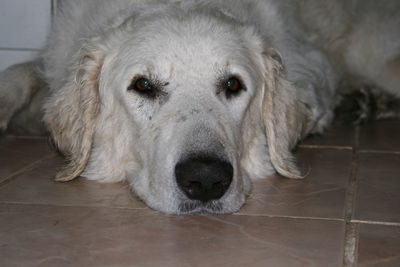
[203, 177]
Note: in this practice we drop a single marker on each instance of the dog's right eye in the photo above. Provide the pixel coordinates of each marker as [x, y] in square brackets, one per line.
[232, 86]
[143, 86]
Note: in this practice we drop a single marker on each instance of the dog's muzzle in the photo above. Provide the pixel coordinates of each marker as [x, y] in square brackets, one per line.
[203, 178]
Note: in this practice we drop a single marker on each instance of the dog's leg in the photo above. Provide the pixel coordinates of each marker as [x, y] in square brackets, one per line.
[22, 91]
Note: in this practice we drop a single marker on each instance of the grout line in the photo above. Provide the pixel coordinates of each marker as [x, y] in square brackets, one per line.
[34, 137]
[351, 245]
[71, 206]
[53, 9]
[376, 223]
[19, 49]
[23, 169]
[379, 151]
[146, 208]
[326, 147]
[351, 193]
[289, 217]
[350, 235]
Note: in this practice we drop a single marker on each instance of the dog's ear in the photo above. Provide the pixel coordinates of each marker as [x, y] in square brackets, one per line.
[70, 113]
[284, 114]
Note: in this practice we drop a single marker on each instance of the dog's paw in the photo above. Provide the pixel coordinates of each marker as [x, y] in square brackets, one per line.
[355, 107]
[366, 104]
[5, 116]
[3, 126]
[10, 101]
[7, 110]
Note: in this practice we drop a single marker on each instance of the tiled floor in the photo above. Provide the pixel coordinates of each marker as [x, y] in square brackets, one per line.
[347, 212]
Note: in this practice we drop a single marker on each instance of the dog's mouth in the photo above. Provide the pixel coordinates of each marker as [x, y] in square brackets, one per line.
[198, 207]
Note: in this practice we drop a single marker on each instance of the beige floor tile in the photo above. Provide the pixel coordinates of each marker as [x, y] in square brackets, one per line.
[320, 195]
[18, 153]
[338, 134]
[378, 197]
[379, 245]
[84, 223]
[37, 186]
[70, 236]
[380, 135]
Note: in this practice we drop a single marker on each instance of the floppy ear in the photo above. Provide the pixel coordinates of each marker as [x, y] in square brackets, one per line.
[285, 117]
[70, 113]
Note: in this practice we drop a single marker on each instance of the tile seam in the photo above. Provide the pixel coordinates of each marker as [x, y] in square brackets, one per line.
[350, 235]
[53, 9]
[26, 137]
[290, 217]
[18, 49]
[373, 151]
[23, 169]
[68, 206]
[383, 223]
[145, 208]
[326, 147]
[350, 253]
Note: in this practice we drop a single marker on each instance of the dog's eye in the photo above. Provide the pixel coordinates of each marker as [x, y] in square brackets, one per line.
[233, 86]
[143, 86]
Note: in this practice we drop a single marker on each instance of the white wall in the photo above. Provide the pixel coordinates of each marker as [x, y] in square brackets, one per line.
[24, 25]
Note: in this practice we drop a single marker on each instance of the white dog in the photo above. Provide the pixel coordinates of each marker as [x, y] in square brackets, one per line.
[189, 100]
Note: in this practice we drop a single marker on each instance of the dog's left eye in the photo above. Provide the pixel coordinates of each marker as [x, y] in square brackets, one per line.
[143, 86]
[233, 86]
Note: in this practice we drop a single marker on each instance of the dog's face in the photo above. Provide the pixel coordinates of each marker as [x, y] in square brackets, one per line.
[181, 113]
[188, 92]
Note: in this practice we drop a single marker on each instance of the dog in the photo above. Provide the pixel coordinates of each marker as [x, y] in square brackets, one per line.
[188, 101]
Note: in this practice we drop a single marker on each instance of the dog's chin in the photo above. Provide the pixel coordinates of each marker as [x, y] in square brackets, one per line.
[193, 207]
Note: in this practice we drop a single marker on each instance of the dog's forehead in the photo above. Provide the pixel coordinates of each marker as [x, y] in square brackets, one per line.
[196, 44]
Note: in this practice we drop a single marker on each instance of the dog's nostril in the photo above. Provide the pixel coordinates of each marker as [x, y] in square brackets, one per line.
[204, 178]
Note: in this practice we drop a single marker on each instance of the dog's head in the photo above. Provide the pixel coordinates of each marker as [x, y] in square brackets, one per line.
[187, 106]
